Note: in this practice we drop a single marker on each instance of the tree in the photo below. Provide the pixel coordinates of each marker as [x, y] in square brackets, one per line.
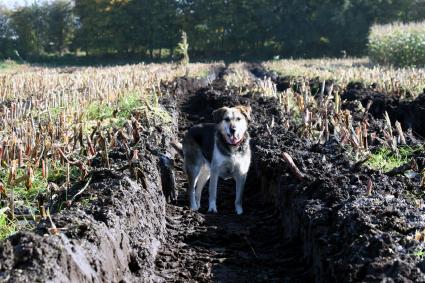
[7, 35]
[92, 22]
[216, 28]
[30, 27]
[155, 24]
[61, 25]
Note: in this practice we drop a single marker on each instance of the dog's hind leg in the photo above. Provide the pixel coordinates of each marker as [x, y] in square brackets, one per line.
[193, 176]
[240, 185]
[204, 175]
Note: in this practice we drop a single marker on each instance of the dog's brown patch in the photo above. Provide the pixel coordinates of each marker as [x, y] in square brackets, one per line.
[245, 110]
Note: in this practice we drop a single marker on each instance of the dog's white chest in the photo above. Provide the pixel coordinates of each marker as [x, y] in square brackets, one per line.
[230, 166]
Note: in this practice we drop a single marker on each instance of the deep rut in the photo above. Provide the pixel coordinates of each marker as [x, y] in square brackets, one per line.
[224, 247]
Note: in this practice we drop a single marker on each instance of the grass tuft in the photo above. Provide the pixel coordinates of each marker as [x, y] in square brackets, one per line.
[7, 227]
[385, 159]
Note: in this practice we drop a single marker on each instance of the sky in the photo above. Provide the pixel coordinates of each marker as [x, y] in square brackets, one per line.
[14, 3]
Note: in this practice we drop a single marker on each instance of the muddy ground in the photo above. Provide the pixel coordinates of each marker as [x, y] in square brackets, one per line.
[106, 229]
[224, 247]
[328, 227]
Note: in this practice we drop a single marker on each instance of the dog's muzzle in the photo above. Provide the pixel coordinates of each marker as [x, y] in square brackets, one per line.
[233, 140]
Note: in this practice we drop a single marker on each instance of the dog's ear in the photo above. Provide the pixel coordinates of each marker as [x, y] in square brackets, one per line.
[218, 114]
[246, 111]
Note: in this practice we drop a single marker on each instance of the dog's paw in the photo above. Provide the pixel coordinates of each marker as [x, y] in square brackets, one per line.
[212, 208]
[239, 209]
[194, 206]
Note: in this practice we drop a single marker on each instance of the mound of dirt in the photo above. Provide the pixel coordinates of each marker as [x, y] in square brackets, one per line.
[353, 224]
[407, 111]
[114, 238]
[338, 222]
[110, 233]
[356, 224]
[349, 233]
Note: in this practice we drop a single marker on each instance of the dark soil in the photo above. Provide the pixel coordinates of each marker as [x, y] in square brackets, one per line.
[224, 247]
[110, 233]
[350, 234]
[409, 112]
[326, 227]
[285, 82]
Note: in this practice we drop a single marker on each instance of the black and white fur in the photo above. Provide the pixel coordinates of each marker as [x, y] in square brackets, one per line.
[218, 150]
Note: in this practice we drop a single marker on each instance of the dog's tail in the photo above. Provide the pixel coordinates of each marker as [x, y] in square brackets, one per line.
[177, 146]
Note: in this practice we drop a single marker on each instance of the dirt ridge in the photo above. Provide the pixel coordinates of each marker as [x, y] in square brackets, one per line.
[325, 228]
[350, 233]
[113, 238]
[345, 234]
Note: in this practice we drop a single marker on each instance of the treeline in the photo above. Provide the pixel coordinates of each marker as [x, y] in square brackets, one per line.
[216, 28]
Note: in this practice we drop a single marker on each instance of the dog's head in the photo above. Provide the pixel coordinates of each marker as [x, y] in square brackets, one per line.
[233, 122]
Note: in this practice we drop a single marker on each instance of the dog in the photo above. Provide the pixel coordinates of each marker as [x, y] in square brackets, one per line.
[219, 149]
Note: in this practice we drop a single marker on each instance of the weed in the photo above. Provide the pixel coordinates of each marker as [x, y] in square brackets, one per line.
[8, 64]
[398, 44]
[7, 227]
[99, 111]
[183, 50]
[386, 159]
[420, 253]
[57, 173]
[129, 103]
[85, 202]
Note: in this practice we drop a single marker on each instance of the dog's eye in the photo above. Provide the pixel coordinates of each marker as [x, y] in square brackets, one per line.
[238, 118]
[227, 119]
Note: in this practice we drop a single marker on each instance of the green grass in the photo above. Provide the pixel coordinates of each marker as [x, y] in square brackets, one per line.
[7, 227]
[6, 64]
[57, 173]
[125, 106]
[420, 253]
[85, 202]
[99, 111]
[114, 114]
[385, 159]
[26, 200]
[27, 197]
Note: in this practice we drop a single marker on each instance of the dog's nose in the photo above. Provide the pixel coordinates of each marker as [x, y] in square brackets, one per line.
[232, 130]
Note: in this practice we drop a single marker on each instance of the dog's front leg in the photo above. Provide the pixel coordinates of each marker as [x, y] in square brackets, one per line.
[213, 191]
[240, 185]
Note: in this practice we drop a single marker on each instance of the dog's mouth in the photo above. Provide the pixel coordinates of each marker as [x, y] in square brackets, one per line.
[233, 139]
